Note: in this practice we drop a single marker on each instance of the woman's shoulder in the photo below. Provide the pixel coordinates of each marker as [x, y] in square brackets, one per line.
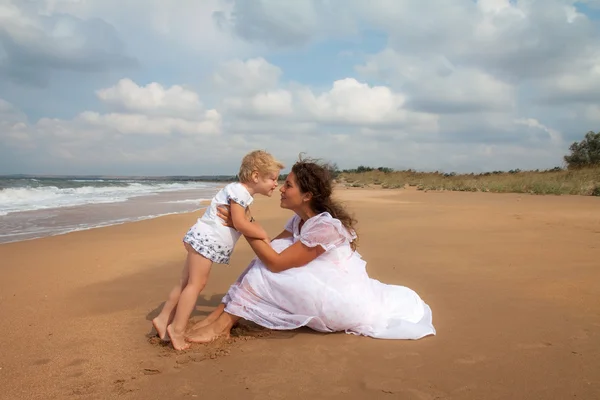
[325, 220]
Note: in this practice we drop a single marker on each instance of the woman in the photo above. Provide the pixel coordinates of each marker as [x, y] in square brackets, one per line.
[311, 275]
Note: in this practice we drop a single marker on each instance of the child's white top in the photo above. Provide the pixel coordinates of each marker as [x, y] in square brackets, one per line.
[209, 236]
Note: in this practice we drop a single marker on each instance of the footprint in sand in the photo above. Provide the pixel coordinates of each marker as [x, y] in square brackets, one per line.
[124, 386]
[85, 389]
[150, 371]
[191, 357]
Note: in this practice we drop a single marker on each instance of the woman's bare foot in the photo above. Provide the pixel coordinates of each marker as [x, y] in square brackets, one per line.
[177, 339]
[207, 334]
[161, 328]
[212, 317]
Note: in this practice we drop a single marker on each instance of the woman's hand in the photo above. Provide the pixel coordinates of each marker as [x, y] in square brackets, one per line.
[224, 212]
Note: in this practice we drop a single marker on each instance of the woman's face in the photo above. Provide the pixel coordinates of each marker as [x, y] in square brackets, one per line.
[291, 196]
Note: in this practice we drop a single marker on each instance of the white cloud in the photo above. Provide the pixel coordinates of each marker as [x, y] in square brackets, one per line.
[152, 98]
[188, 24]
[555, 136]
[347, 102]
[246, 77]
[284, 24]
[581, 85]
[271, 104]
[351, 102]
[34, 44]
[461, 84]
[143, 132]
[141, 124]
[13, 126]
[434, 84]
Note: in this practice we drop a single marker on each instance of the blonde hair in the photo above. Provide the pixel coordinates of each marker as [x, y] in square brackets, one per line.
[260, 161]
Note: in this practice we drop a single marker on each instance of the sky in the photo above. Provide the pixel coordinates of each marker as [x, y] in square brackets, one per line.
[187, 87]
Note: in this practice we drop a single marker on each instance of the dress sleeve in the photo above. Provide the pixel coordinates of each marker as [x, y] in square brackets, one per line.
[325, 231]
[290, 224]
[238, 193]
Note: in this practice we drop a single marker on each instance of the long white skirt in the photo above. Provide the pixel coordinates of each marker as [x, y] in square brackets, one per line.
[328, 297]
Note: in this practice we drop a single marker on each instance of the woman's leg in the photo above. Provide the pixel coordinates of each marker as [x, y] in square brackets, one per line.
[212, 317]
[221, 327]
[198, 270]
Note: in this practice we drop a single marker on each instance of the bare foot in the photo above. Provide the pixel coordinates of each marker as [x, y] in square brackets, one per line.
[177, 339]
[161, 328]
[212, 317]
[207, 334]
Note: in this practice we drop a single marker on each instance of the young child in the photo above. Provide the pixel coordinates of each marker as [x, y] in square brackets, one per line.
[210, 241]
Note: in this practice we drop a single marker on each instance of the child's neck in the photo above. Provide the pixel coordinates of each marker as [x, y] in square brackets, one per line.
[250, 188]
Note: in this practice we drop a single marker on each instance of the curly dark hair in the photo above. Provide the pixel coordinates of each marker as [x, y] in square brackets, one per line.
[316, 178]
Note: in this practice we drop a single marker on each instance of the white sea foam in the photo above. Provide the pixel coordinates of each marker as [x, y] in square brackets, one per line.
[42, 232]
[16, 199]
[188, 201]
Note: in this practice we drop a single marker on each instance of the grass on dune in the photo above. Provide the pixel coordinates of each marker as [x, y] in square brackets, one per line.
[585, 181]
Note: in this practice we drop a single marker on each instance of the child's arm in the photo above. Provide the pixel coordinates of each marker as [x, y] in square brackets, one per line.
[242, 225]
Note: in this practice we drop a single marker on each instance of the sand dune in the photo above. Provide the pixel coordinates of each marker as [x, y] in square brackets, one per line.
[512, 281]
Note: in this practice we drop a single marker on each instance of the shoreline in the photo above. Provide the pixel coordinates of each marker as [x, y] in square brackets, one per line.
[340, 188]
[109, 224]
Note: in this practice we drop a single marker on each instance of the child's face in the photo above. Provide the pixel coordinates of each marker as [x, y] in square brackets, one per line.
[267, 184]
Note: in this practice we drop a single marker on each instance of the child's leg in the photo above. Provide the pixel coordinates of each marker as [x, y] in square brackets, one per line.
[168, 311]
[198, 270]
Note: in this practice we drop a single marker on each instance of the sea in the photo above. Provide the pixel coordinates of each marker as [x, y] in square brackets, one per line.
[33, 207]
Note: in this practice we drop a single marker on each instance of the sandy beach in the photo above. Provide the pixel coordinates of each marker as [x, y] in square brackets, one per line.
[512, 281]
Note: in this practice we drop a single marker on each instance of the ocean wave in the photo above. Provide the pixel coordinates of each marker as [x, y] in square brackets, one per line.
[189, 201]
[39, 232]
[18, 199]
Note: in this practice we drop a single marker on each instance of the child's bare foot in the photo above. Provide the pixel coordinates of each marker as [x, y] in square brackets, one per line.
[207, 334]
[177, 339]
[161, 328]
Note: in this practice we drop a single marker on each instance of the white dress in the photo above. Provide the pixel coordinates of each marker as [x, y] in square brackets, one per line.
[331, 293]
[208, 236]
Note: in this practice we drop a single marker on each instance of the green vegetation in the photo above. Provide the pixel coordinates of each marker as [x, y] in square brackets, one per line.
[585, 153]
[583, 181]
[581, 177]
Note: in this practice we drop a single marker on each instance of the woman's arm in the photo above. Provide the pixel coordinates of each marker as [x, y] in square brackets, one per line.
[294, 256]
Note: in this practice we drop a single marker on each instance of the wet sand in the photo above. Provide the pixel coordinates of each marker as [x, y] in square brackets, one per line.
[512, 281]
